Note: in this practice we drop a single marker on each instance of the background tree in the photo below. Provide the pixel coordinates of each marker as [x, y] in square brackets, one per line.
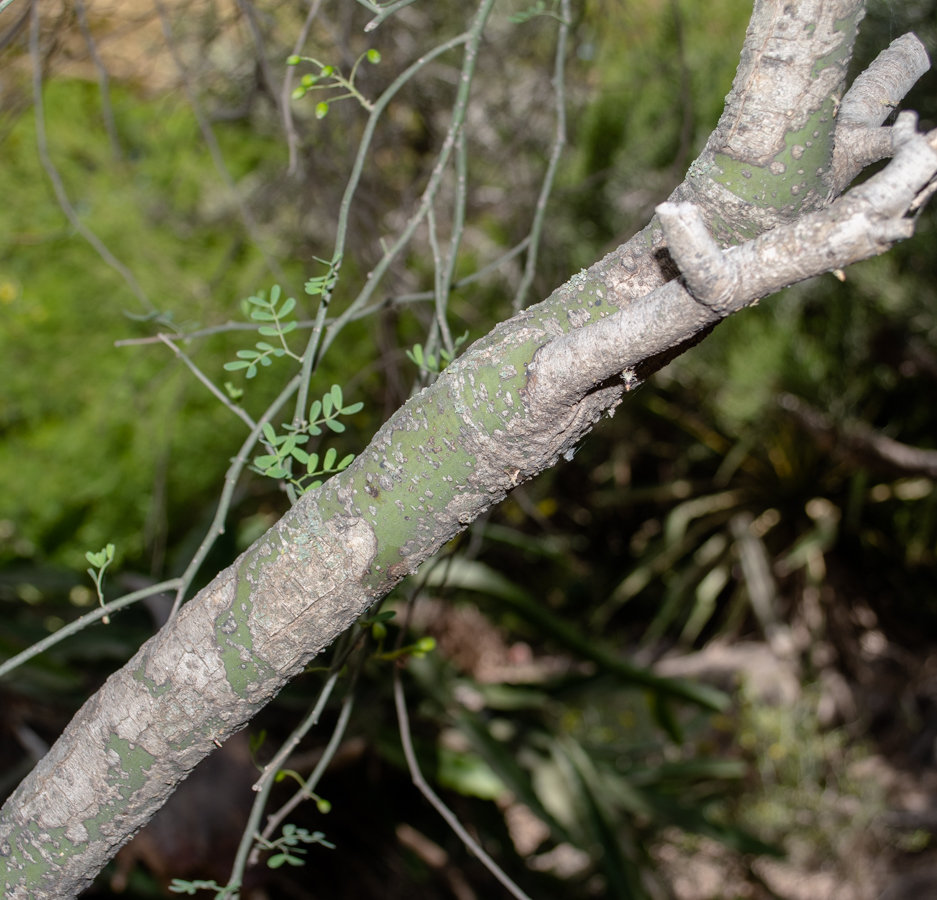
[508, 466]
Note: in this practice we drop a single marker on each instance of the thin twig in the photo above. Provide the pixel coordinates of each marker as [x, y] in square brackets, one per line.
[472, 39]
[230, 481]
[430, 794]
[73, 627]
[559, 142]
[245, 856]
[201, 376]
[221, 167]
[385, 13]
[328, 754]
[103, 80]
[260, 801]
[442, 295]
[202, 332]
[313, 351]
[292, 138]
[399, 300]
[55, 178]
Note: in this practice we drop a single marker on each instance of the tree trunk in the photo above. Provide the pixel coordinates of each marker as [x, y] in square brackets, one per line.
[515, 403]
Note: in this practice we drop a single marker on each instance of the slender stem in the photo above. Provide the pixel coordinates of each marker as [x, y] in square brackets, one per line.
[429, 194]
[230, 481]
[350, 189]
[299, 732]
[55, 178]
[312, 352]
[265, 783]
[458, 219]
[442, 294]
[103, 80]
[292, 138]
[86, 620]
[203, 332]
[185, 337]
[201, 376]
[559, 142]
[430, 794]
[385, 12]
[274, 820]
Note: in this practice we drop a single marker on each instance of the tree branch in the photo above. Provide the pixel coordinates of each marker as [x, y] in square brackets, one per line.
[513, 405]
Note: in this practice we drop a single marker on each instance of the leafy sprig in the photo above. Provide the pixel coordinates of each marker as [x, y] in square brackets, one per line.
[325, 284]
[179, 886]
[267, 311]
[427, 362]
[100, 561]
[288, 843]
[285, 448]
[331, 77]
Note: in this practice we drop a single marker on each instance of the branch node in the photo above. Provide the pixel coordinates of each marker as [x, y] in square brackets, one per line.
[709, 274]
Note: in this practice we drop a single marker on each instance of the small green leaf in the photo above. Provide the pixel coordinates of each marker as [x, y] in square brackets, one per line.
[251, 371]
[287, 327]
[276, 472]
[379, 631]
[276, 860]
[327, 405]
[274, 294]
[314, 485]
[288, 306]
[237, 364]
[259, 300]
[337, 395]
[329, 460]
[261, 315]
[334, 425]
[351, 410]
[299, 454]
[314, 411]
[315, 430]
[267, 461]
[248, 354]
[269, 433]
[313, 463]
[263, 345]
[268, 331]
[431, 363]
[322, 109]
[346, 462]
[374, 57]
[265, 361]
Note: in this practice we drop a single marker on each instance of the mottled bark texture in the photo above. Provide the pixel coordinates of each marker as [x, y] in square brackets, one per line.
[514, 404]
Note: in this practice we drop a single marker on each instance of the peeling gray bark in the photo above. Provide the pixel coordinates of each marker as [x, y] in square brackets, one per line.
[511, 406]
